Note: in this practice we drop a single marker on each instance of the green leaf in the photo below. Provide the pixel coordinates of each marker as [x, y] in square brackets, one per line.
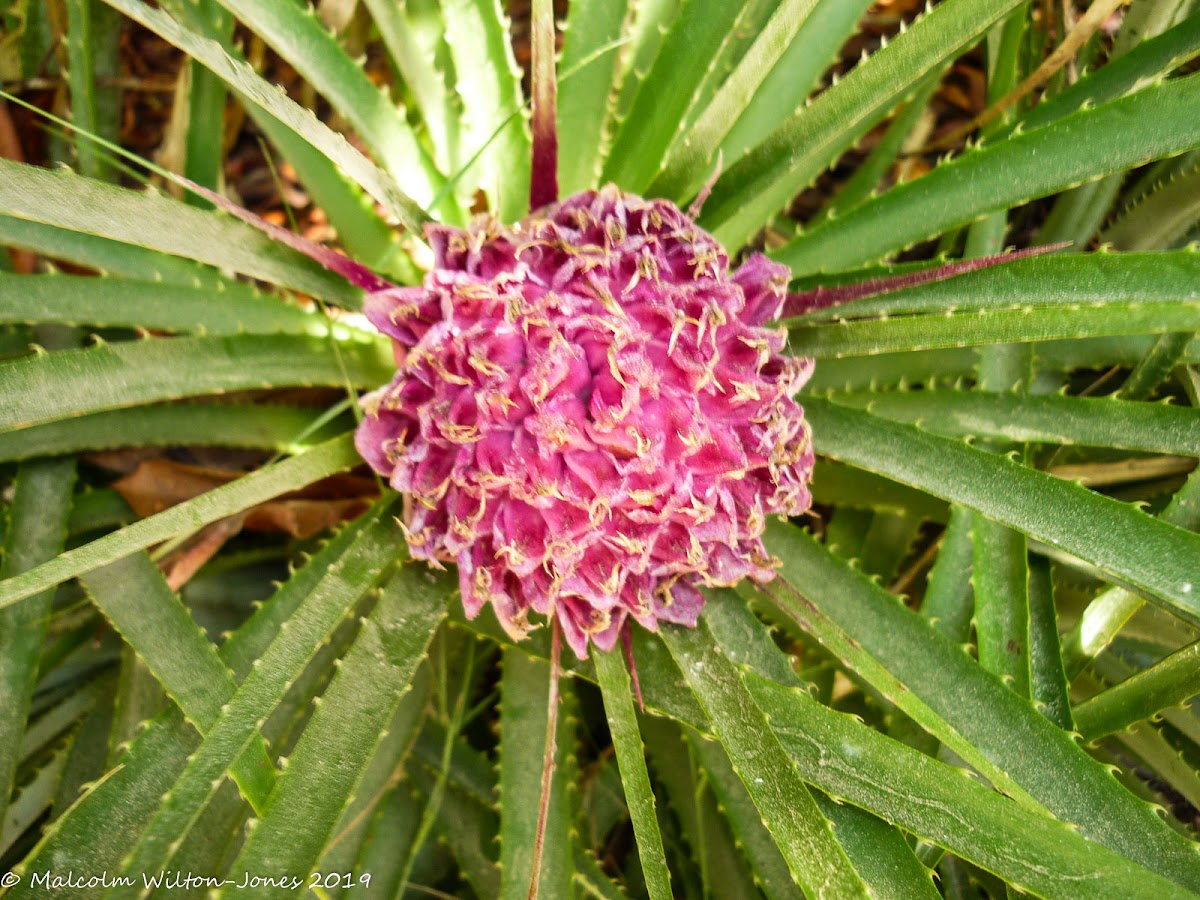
[817, 861]
[252, 89]
[1161, 219]
[291, 474]
[158, 223]
[846, 486]
[524, 696]
[353, 838]
[134, 597]
[92, 40]
[771, 871]
[1006, 174]
[107, 256]
[49, 387]
[1003, 326]
[360, 229]
[1056, 281]
[861, 185]
[204, 140]
[947, 603]
[300, 38]
[797, 73]
[1050, 419]
[1147, 62]
[1001, 580]
[700, 844]
[347, 725]
[1165, 684]
[878, 851]
[83, 838]
[1045, 648]
[932, 680]
[230, 308]
[1117, 538]
[1030, 850]
[645, 29]
[694, 149]
[490, 86]
[36, 531]
[284, 429]
[762, 181]
[589, 48]
[264, 687]
[670, 89]
[627, 743]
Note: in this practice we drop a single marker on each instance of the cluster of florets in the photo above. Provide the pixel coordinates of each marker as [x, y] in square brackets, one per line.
[588, 416]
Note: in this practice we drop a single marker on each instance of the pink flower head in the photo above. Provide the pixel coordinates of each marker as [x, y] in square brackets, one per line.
[588, 415]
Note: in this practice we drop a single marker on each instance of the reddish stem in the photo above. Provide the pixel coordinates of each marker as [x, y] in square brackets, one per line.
[627, 645]
[543, 180]
[822, 297]
[548, 765]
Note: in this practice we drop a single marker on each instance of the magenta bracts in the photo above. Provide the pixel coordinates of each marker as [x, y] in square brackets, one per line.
[589, 415]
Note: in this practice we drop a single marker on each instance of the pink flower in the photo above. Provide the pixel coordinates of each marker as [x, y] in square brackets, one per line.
[589, 417]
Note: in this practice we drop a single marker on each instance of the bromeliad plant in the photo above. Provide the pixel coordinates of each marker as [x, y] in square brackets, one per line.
[966, 671]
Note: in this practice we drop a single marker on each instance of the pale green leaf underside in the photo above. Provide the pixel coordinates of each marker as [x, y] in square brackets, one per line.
[158, 223]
